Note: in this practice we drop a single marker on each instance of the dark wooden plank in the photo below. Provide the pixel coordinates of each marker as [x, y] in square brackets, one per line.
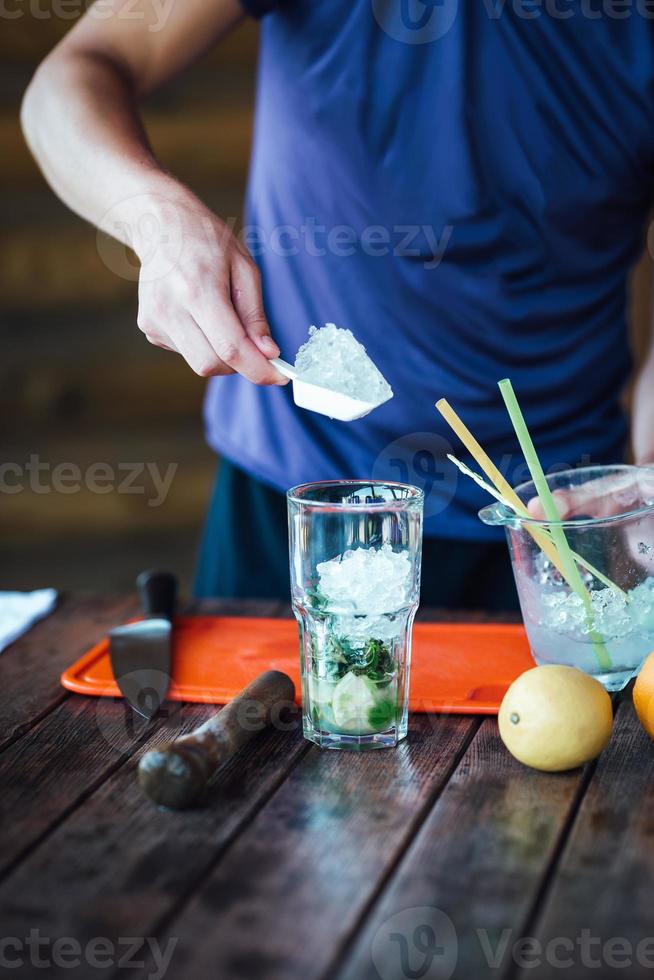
[476, 864]
[120, 866]
[57, 764]
[287, 892]
[598, 908]
[79, 742]
[32, 665]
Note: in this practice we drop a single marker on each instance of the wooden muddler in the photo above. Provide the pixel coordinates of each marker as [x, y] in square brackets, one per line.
[177, 774]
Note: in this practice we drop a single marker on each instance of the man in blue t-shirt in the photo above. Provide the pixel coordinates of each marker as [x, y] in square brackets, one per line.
[463, 185]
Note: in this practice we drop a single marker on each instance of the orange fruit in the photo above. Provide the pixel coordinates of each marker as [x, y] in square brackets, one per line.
[555, 718]
[644, 695]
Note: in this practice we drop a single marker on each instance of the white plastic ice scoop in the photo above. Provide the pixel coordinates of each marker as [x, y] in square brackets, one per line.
[325, 401]
[334, 376]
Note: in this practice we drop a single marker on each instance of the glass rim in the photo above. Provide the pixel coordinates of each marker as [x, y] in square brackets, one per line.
[509, 516]
[415, 495]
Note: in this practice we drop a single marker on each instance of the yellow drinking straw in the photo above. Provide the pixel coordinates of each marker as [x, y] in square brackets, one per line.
[494, 492]
[486, 464]
[551, 513]
[540, 536]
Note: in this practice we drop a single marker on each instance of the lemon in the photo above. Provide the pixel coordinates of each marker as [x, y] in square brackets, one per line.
[353, 700]
[555, 718]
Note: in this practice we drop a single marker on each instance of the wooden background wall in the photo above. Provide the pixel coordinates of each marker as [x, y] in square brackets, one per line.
[78, 382]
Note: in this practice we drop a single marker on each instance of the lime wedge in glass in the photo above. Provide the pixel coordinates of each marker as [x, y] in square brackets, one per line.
[358, 707]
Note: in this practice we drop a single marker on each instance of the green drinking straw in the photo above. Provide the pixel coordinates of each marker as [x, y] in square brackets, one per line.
[552, 515]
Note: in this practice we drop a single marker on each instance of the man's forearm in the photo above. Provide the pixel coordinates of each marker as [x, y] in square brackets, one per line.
[79, 117]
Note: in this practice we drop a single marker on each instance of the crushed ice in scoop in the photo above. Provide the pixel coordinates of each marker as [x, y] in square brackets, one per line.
[334, 359]
[369, 581]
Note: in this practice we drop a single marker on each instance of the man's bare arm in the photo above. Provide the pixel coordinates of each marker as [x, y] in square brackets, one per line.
[199, 291]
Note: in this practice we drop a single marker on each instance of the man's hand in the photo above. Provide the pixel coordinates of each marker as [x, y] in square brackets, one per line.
[604, 497]
[607, 497]
[200, 292]
[617, 494]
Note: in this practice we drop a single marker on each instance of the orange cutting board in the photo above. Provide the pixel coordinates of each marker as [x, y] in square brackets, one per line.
[456, 667]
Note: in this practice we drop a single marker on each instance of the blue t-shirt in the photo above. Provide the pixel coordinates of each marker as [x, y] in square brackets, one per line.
[466, 188]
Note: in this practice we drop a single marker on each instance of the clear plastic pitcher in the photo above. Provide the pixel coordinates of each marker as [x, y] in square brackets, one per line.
[607, 627]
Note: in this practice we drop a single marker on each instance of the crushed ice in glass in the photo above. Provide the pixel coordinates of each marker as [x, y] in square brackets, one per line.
[614, 615]
[334, 359]
[366, 581]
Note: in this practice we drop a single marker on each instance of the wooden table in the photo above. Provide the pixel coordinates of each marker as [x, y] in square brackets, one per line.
[443, 858]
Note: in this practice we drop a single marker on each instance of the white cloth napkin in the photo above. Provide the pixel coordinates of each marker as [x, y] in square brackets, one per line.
[20, 610]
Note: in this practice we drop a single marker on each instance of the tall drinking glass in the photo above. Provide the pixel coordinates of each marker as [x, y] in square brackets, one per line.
[355, 552]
